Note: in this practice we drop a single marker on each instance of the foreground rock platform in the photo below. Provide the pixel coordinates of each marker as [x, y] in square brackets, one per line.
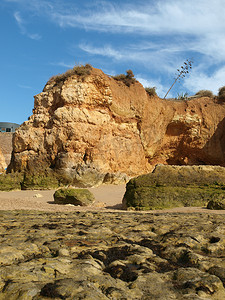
[120, 255]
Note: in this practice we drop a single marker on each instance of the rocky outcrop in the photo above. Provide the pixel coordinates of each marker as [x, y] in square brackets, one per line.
[2, 162]
[94, 255]
[93, 128]
[176, 186]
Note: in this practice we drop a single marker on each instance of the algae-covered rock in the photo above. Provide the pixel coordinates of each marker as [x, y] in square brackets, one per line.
[9, 182]
[218, 202]
[43, 181]
[175, 186]
[73, 196]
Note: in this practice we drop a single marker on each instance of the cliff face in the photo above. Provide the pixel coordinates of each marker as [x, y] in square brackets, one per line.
[6, 145]
[96, 129]
[2, 162]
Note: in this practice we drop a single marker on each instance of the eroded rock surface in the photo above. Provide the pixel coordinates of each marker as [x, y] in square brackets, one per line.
[6, 146]
[2, 162]
[93, 129]
[175, 186]
[94, 255]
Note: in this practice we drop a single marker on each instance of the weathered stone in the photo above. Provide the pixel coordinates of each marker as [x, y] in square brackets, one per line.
[10, 181]
[219, 272]
[174, 186]
[91, 129]
[82, 197]
[43, 181]
[196, 280]
[138, 256]
[218, 202]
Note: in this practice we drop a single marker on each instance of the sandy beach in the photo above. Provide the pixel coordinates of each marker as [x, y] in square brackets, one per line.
[108, 198]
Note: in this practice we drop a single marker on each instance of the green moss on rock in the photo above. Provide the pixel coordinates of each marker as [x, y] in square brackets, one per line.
[82, 197]
[43, 181]
[175, 186]
[11, 181]
[218, 202]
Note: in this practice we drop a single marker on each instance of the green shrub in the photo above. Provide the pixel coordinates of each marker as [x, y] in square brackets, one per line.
[126, 79]
[205, 93]
[221, 94]
[80, 70]
[151, 91]
[182, 96]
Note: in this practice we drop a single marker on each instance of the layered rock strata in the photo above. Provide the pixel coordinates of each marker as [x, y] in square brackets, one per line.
[94, 129]
[94, 255]
[175, 186]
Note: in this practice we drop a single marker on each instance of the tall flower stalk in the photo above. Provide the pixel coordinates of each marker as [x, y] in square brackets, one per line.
[182, 72]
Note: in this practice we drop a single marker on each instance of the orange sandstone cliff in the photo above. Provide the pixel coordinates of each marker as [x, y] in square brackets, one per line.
[95, 129]
[2, 162]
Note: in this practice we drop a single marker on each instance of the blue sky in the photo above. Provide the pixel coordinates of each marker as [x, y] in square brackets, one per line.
[41, 38]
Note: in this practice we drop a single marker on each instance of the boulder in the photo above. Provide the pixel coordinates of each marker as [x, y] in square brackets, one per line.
[175, 186]
[92, 129]
[218, 202]
[82, 197]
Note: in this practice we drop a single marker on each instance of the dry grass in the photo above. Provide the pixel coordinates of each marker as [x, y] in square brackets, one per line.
[205, 93]
[80, 70]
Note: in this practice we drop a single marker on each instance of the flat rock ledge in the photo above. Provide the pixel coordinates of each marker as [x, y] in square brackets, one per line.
[177, 186]
[120, 255]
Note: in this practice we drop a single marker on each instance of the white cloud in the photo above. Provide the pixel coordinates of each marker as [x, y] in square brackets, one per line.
[21, 23]
[197, 17]
[199, 80]
[162, 58]
[34, 36]
[63, 64]
[22, 86]
[201, 22]
[165, 32]
[160, 89]
[106, 50]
